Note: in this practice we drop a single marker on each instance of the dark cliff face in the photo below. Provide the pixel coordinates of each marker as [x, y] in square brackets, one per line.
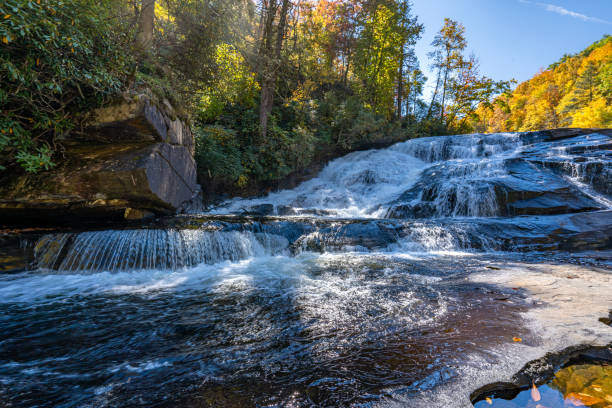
[133, 160]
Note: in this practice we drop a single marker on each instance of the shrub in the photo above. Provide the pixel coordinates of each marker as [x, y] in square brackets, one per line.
[58, 58]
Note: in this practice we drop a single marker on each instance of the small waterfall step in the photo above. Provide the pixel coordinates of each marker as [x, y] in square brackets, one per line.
[222, 238]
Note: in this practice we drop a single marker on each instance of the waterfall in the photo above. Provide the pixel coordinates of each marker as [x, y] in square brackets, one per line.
[445, 193]
[453, 175]
[121, 250]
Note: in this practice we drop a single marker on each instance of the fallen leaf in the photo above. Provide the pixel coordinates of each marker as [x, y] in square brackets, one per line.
[489, 401]
[580, 399]
[517, 339]
[535, 394]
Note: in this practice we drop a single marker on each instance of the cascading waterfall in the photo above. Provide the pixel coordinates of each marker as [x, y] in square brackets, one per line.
[400, 275]
[122, 250]
[428, 183]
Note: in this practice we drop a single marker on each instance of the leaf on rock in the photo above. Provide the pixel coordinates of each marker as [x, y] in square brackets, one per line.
[535, 394]
[580, 399]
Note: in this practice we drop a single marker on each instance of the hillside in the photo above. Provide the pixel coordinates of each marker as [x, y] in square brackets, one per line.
[574, 92]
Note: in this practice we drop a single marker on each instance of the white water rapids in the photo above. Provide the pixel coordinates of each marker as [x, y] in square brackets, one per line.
[396, 277]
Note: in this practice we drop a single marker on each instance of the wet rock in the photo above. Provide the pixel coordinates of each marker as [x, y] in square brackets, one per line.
[607, 320]
[136, 118]
[134, 155]
[259, 210]
[522, 188]
[283, 210]
[560, 134]
[366, 235]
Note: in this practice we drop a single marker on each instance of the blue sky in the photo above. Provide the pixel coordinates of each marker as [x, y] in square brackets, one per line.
[515, 38]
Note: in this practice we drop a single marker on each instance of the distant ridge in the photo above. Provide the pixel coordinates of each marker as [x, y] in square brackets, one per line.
[575, 92]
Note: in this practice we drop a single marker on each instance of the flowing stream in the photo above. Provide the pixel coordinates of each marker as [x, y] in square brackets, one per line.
[406, 276]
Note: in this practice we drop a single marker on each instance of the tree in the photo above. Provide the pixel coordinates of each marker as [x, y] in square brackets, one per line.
[576, 92]
[468, 90]
[146, 20]
[270, 55]
[448, 45]
[587, 85]
[384, 42]
[411, 32]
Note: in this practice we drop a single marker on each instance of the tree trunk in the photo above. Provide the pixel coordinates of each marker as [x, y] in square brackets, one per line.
[443, 96]
[271, 63]
[146, 19]
[400, 85]
[433, 98]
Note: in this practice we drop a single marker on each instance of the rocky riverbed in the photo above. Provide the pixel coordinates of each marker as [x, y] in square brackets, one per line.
[417, 275]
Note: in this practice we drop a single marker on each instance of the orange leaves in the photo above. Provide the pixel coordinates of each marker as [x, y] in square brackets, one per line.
[535, 394]
[5, 40]
[489, 401]
[579, 399]
[517, 339]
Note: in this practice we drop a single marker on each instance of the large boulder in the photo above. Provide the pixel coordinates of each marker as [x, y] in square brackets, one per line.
[136, 118]
[133, 160]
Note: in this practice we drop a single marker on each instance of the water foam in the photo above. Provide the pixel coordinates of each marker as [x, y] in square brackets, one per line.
[124, 250]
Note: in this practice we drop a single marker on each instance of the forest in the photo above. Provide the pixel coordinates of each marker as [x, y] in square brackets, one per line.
[268, 86]
[574, 92]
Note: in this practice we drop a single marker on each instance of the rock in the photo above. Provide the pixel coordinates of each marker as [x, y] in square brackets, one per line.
[367, 235]
[283, 210]
[133, 214]
[137, 118]
[570, 371]
[524, 188]
[259, 210]
[135, 160]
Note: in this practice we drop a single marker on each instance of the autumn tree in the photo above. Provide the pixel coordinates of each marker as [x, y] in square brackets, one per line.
[388, 33]
[449, 45]
[575, 92]
[274, 24]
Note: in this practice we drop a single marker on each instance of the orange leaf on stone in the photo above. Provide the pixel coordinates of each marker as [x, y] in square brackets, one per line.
[517, 339]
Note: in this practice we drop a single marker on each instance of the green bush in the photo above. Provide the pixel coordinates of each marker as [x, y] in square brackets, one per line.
[58, 58]
[217, 152]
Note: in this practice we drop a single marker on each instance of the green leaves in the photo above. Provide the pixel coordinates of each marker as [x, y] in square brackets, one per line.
[60, 58]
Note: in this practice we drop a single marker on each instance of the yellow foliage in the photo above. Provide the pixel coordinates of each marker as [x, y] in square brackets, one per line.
[597, 114]
[572, 93]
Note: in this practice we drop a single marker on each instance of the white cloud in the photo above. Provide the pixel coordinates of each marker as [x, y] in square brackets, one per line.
[565, 12]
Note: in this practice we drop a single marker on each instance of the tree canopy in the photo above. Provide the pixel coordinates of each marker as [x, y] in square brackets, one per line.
[268, 86]
[574, 92]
